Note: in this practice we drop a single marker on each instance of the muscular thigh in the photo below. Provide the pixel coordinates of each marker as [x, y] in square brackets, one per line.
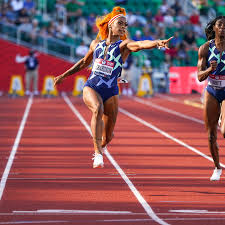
[92, 99]
[110, 110]
[211, 111]
[223, 117]
[223, 109]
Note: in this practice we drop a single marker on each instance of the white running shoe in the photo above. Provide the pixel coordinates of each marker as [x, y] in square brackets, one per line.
[98, 161]
[216, 174]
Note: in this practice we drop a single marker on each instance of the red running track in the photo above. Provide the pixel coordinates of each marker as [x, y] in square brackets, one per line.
[160, 149]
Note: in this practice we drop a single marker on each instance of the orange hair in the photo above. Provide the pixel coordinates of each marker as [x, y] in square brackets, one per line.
[102, 23]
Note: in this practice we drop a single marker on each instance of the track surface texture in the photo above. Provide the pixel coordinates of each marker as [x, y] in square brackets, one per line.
[157, 168]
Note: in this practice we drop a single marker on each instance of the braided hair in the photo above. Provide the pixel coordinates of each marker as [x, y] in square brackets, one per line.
[210, 34]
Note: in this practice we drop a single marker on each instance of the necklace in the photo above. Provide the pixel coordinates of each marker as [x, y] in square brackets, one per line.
[106, 49]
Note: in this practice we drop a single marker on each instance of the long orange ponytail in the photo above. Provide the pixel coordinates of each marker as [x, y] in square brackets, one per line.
[102, 23]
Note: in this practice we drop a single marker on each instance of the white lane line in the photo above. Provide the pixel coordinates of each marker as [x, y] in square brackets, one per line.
[158, 107]
[36, 222]
[169, 111]
[169, 98]
[100, 221]
[196, 219]
[114, 177]
[147, 124]
[14, 148]
[184, 102]
[133, 214]
[74, 212]
[137, 194]
[171, 219]
[196, 211]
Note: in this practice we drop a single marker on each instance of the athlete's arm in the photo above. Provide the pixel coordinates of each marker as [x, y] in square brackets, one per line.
[128, 46]
[81, 64]
[135, 46]
[203, 71]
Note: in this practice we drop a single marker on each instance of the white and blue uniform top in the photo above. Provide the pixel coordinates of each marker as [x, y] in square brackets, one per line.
[106, 69]
[216, 80]
[217, 77]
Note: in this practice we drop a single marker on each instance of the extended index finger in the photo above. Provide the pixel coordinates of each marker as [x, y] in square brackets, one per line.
[169, 38]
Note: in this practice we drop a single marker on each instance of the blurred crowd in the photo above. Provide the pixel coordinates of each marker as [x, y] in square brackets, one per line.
[70, 21]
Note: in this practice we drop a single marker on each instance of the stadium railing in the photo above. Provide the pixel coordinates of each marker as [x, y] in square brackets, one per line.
[48, 45]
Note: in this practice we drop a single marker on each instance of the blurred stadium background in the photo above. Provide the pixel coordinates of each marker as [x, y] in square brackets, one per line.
[61, 31]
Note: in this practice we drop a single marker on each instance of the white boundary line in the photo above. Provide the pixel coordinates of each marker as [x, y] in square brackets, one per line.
[36, 222]
[147, 124]
[195, 211]
[35, 213]
[158, 107]
[133, 176]
[137, 194]
[100, 221]
[172, 99]
[73, 212]
[14, 148]
[169, 98]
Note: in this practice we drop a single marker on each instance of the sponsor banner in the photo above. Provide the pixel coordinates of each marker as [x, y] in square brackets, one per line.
[183, 80]
[48, 87]
[47, 65]
[16, 86]
[78, 85]
[145, 86]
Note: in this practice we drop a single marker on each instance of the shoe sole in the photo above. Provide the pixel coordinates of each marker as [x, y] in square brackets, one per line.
[214, 179]
[98, 166]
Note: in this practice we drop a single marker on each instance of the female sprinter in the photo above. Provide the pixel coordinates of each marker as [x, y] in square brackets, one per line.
[100, 94]
[211, 65]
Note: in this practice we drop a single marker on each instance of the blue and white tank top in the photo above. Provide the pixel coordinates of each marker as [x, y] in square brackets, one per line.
[105, 71]
[217, 77]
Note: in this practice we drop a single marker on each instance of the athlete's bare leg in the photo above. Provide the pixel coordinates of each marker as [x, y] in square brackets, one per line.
[109, 118]
[222, 124]
[94, 102]
[211, 116]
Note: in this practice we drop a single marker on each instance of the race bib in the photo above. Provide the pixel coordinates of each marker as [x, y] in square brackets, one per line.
[216, 80]
[103, 68]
